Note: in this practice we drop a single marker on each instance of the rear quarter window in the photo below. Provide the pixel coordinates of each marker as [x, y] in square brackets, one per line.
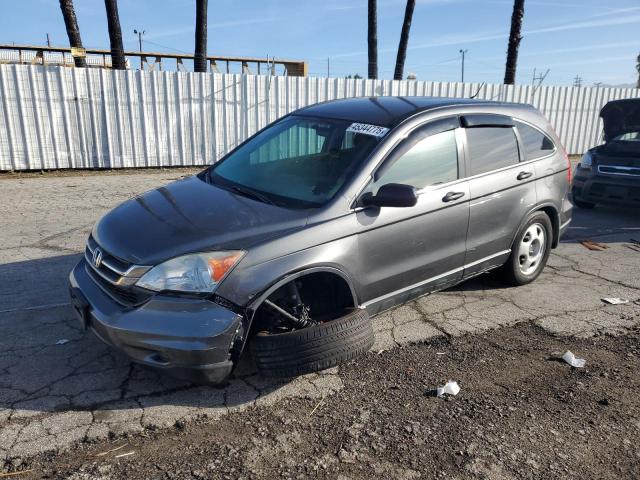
[491, 148]
[534, 143]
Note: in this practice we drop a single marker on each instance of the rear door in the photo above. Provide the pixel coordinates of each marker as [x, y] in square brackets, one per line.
[408, 251]
[502, 189]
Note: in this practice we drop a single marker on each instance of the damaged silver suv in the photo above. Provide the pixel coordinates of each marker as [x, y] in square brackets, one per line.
[332, 213]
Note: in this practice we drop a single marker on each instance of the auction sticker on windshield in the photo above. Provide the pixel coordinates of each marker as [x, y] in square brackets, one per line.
[367, 129]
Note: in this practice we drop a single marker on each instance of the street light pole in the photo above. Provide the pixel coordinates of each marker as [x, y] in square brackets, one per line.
[140, 33]
[463, 52]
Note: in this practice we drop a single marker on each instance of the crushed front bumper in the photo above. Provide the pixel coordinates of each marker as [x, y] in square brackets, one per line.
[189, 338]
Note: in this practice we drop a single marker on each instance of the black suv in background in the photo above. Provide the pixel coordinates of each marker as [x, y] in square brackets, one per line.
[610, 173]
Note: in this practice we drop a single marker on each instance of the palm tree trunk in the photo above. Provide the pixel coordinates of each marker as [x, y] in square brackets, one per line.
[514, 42]
[118, 61]
[372, 39]
[73, 32]
[200, 57]
[404, 40]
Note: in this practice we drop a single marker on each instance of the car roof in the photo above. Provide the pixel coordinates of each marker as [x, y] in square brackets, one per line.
[389, 111]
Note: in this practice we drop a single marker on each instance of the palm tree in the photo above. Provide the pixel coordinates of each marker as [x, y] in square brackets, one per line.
[514, 42]
[200, 57]
[118, 61]
[404, 40]
[73, 32]
[372, 39]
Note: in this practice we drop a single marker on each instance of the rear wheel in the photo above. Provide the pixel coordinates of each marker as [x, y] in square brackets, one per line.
[313, 348]
[530, 250]
[581, 203]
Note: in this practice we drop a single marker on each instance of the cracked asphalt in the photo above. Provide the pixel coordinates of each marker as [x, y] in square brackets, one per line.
[59, 386]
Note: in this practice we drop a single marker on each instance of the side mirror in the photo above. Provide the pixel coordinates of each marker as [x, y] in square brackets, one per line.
[392, 195]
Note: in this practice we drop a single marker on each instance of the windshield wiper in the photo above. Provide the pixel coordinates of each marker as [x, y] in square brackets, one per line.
[247, 192]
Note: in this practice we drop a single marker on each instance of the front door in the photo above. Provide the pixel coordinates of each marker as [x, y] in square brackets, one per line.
[407, 251]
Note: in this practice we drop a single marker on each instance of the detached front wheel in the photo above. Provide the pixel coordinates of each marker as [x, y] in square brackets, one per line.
[314, 348]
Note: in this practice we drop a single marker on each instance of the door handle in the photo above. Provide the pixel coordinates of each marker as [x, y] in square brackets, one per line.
[524, 175]
[451, 196]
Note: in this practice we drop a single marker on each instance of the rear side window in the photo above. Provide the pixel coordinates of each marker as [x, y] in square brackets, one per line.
[491, 148]
[431, 161]
[534, 143]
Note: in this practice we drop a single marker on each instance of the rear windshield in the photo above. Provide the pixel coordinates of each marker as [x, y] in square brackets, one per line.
[298, 162]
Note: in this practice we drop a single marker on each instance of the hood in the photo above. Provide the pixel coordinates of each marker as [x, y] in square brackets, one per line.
[190, 216]
[620, 116]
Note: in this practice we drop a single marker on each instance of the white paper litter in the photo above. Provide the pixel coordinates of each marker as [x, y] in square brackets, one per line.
[62, 341]
[615, 300]
[572, 360]
[450, 388]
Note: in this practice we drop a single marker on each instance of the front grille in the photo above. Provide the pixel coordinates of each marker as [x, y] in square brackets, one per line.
[128, 296]
[115, 276]
[619, 170]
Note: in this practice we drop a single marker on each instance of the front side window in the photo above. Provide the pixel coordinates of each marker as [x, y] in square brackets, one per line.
[534, 143]
[431, 161]
[491, 148]
[298, 162]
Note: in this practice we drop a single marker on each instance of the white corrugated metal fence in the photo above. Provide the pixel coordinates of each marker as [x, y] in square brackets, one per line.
[56, 117]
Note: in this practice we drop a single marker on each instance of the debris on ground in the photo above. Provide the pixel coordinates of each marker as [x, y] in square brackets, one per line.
[572, 360]
[124, 454]
[615, 300]
[13, 474]
[62, 341]
[449, 388]
[102, 454]
[591, 245]
[634, 247]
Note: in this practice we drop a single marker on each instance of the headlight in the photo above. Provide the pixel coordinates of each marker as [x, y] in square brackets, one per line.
[586, 161]
[196, 272]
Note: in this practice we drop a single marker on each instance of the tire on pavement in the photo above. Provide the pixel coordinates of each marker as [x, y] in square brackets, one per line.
[529, 257]
[313, 348]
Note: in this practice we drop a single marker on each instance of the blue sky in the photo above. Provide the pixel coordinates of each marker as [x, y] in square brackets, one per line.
[595, 39]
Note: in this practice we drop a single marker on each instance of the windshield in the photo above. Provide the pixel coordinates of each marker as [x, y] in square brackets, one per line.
[297, 162]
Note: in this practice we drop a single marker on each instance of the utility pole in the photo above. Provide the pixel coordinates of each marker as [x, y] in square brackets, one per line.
[48, 41]
[463, 52]
[140, 33]
[577, 81]
[328, 68]
[597, 84]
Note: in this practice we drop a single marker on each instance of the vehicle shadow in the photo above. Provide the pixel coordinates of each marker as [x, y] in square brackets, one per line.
[604, 224]
[48, 363]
